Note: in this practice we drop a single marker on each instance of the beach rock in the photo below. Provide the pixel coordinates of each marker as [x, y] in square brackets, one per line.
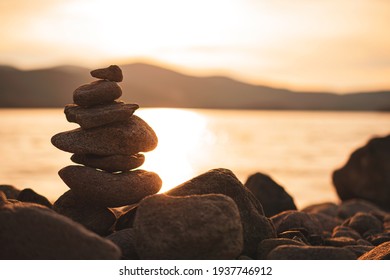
[366, 174]
[379, 238]
[111, 73]
[293, 252]
[363, 222]
[327, 222]
[292, 219]
[363, 242]
[99, 115]
[29, 195]
[344, 231]
[112, 163]
[350, 207]
[190, 227]
[381, 252]
[327, 208]
[126, 220]
[3, 198]
[271, 195]
[243, 257]
[125, 240]
[255, 225]
[127, 138]
[30, 231]
[96, 93]
[339, 241]
[95, 218]
[294, 235]
[359, 250]
[267, 245]
[10, 191]
[107, 189]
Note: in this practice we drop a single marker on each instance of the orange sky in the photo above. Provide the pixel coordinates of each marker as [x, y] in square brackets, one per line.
[337, 45]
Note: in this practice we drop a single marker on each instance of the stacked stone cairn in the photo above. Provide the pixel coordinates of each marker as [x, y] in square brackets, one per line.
[108, 146]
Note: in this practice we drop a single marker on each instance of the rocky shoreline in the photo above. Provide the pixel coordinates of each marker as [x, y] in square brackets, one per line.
[113, 209]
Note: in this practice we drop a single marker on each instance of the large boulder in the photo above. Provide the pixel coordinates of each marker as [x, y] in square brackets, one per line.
[256, 226]
[366, 174]
[271, 195]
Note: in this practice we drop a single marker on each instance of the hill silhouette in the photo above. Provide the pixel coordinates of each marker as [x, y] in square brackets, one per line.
[153, 86]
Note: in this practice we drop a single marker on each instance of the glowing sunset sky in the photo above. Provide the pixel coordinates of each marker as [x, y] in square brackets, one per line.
[337, 45]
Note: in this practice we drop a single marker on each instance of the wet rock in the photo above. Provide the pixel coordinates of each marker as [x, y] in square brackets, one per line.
[95, 218]
[190, 227]
[291, 219]
[293, 252]
[255, 225]
[327, 208]
[339, 241]
[267, 245]
[107, 189]
[112, 163]
[99, 115]
[111, 73]
[327, 222]
[96, 93]
[125, 240]
[344, 231]
[350, 207]
[10, 191]
[29, 195]
[359, 250]
[126, 220]
[121, 138]
[363, 222]
[366, 174]
[31, 231]
[381, 252]
[271, 195]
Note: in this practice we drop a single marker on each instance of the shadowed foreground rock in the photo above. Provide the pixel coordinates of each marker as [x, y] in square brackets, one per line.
[271, 195]
[30, 231]
[29, 195]
[190, 227]
[10, 191]
[255, 225]
[125, 240]
[381, 252]
[292, 252]
[366, 174]
[292, 219]
[267, 245]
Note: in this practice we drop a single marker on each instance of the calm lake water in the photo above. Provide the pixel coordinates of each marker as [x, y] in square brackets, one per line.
[298, 149]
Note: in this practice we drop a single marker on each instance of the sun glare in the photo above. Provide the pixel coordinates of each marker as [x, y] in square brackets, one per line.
[179, 133]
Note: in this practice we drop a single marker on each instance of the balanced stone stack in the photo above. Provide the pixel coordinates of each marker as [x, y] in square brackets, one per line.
[108, 144]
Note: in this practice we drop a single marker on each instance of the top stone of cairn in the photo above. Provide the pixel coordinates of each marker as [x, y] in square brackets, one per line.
[112, 73]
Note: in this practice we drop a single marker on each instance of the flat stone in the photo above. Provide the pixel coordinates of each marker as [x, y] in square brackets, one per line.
[95, 218]
[112, 163]
[125, 240]
[381, 252]
[95, 93]
[293, 252]
[10, 191]
[189, 227]
[99, 115]
[292, 219]
[340, 241]
[29, 195]
[327, 222]
[127, 138]
[363, 222]
[294, 235]
[344, 231]
[34, 232]
[107, 189]
[256, 226]
[379, 238]
[271, 195]
[111, 73]
[267, 245]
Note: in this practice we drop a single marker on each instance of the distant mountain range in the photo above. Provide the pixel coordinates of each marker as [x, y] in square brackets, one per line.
[152, 86]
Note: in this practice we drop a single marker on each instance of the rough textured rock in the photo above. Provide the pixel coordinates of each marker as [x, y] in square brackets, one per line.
[95, 218]
[111, 73]
[344, 231]
[366, 174]
[99, 115]
[96, 93]
[340, 241]
[292, 252]
[255, 225]
[381, 252]
[28, 195]
[112, 163]
[363, 222]
[30, 231]
[190, 227]
[126, 219]
[327, 208]
[107, 189]
[292, 219]
[127, 138]
[125, 240]
[10, 191]
[359, 250]
[271, 195]
[267, 245]
[327, 222]
[350, 207]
